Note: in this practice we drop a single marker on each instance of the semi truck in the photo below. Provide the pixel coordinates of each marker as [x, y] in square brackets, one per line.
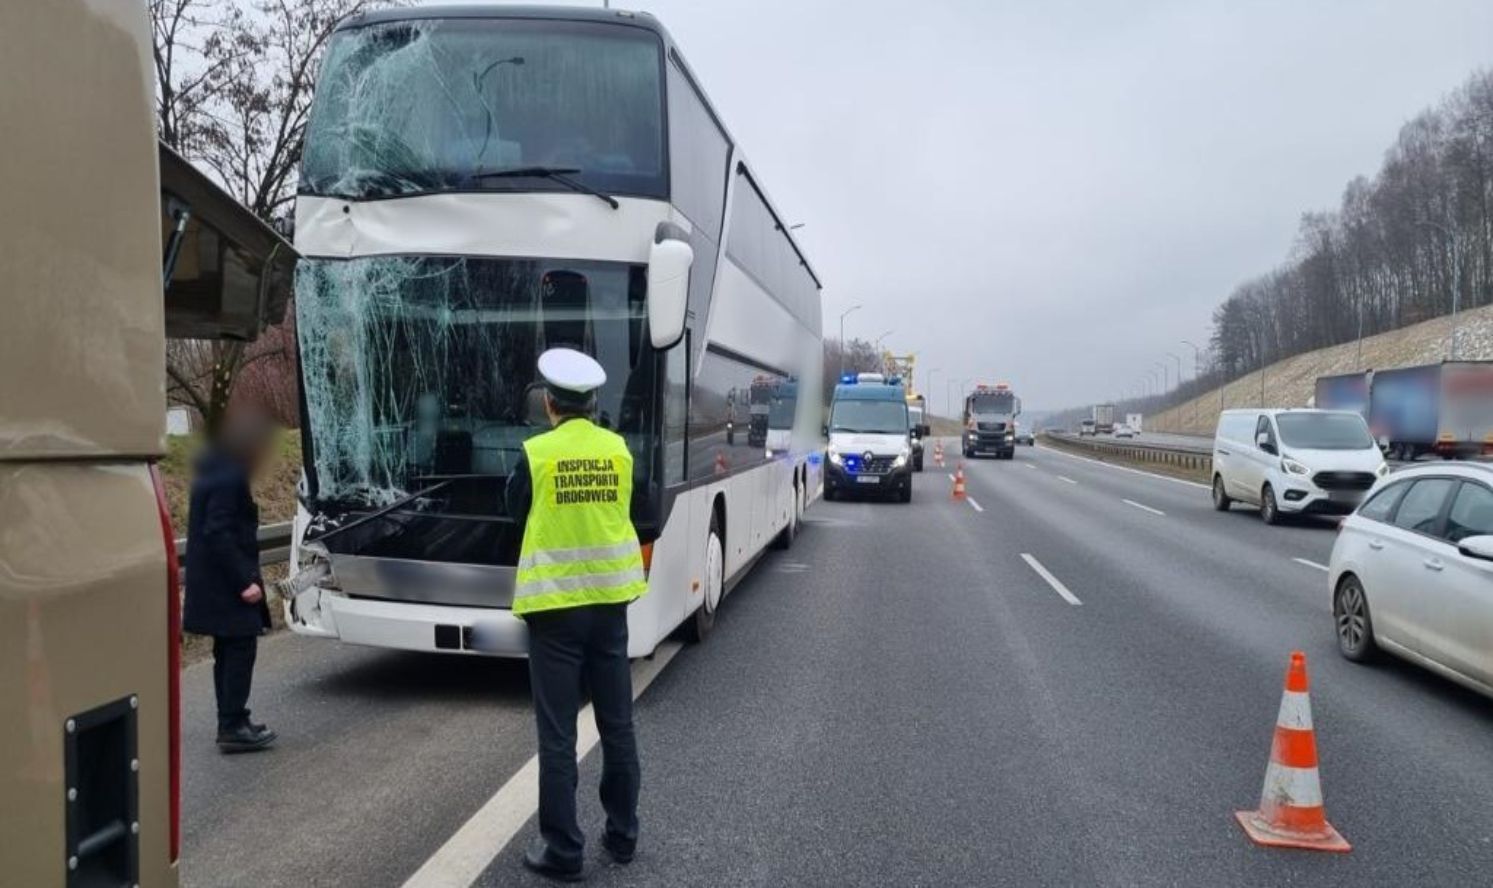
[990, 413]
[1104, 419]
[1444, 408]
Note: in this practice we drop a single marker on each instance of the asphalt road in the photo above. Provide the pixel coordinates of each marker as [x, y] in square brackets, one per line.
[902, 699]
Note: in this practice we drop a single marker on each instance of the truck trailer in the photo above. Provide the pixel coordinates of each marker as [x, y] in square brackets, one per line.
[1444, 408]
[1104, 419]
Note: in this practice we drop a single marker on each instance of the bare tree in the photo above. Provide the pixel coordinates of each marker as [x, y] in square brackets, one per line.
[234, 90]
[1392, 251]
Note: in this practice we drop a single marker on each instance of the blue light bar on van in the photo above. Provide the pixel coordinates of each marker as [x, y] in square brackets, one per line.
[848, 379]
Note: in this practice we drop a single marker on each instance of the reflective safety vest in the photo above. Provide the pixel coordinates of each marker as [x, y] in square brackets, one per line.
[579, 545]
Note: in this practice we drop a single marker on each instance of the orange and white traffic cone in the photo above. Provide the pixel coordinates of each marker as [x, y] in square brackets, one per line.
[959, 482]
[1291, 814]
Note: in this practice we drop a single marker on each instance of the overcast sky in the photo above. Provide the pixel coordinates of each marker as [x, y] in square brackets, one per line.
[1056, 193]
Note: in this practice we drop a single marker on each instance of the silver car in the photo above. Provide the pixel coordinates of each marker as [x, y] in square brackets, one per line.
[1412, 572]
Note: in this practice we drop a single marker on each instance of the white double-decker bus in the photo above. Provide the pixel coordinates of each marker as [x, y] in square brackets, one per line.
[479, 185]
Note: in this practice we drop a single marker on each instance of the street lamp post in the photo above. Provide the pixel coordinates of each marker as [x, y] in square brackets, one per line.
[1451, 237]
[1197, 354]
[1179, 385]
[930, 378]
[847, 311]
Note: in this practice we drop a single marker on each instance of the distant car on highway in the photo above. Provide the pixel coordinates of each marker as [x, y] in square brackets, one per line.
[1025, 436]
[1294, 461]
[1086, 428]
[1412, 572]
[1124, 431]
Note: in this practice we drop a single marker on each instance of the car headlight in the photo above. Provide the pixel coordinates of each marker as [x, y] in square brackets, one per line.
[1383, 470]
[1294, 467]
[834, 455]
[1010, 437]
[901, 459]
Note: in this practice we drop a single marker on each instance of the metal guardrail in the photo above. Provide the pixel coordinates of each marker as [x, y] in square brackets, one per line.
[1181, 458]
[274, 544]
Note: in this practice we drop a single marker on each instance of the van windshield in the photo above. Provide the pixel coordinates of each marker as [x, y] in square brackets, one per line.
[1324, 431]
[869, 417]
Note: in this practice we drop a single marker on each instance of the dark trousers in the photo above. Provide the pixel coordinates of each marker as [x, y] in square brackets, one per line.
[233, 671]
[569, 649]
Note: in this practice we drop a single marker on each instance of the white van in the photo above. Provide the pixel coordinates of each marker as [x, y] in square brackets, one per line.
[1294, 462]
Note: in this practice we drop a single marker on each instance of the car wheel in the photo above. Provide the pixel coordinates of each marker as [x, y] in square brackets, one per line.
[905, 494]
[1355, 630]
[1221, 501]
[698, 626]
[1269, 511]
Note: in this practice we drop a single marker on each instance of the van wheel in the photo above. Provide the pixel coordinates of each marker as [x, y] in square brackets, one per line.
[698, 627]
[1269, 511]
[905, 494]
[1355, 630]
[1221, 501]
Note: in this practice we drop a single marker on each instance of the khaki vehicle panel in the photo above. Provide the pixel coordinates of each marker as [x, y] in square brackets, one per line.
[81, 345]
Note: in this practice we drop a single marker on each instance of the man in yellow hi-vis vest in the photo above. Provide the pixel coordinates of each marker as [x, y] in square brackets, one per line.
[579, 566]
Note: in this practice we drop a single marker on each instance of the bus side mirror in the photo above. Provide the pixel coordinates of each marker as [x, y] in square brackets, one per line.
[668, 290]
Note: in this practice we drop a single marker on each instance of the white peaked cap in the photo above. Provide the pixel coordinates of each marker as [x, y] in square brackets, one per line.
[571, 370]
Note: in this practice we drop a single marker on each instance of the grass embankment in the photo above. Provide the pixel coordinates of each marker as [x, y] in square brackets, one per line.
[274, 491]
[1292, 382]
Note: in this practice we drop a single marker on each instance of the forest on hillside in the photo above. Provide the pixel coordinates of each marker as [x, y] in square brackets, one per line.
[1394, 251]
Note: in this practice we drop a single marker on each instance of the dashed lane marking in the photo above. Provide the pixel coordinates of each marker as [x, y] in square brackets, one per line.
[1054, 582]
[974, 505]
[472, 848]
[1322, 567]
[1143, 507]
[1067, 479]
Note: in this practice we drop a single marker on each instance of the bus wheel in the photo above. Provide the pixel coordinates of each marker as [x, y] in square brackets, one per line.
[784, 539]
[699, 625]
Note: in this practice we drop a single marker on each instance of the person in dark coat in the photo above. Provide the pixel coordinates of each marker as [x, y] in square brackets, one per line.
[225, 591]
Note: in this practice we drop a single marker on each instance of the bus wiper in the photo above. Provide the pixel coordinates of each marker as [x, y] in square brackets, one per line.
[400, 503]
[558, 174]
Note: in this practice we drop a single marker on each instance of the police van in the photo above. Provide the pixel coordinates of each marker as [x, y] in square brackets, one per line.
[870, 448]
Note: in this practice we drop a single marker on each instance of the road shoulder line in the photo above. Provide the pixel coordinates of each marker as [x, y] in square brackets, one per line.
[473, 847]
[1106, 465]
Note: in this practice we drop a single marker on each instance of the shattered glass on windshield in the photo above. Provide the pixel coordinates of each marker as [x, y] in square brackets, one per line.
[419, 370]
[429, 104]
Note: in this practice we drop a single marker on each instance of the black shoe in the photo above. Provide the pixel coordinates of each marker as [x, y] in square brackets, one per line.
[621, 851]
[244, 739]
[539, 859]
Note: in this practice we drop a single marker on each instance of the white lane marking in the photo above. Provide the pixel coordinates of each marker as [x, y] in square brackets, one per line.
[951, 478]
[974, 505]
[1322, 567]
[1029, 465]
[1054, 582]
[1124, 468]
[1067, 479]
[1142, 507]
[473, 847]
